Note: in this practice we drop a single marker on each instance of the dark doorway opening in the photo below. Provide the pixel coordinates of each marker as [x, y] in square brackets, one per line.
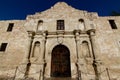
[60, 63]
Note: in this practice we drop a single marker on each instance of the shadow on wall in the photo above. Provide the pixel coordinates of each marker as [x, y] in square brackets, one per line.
[13, 78]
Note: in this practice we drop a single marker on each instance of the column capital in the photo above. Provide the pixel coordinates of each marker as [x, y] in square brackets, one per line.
[91, 32]
[44, 33]
[98, 62]
[31, 33]
[77, 32]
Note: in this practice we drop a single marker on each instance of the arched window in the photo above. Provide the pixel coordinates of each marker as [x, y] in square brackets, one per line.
[36, 49]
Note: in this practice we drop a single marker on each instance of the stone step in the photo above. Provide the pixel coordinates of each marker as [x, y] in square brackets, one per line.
[60, 78]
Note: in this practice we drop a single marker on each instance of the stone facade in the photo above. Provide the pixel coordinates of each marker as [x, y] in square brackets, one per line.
[93, 44]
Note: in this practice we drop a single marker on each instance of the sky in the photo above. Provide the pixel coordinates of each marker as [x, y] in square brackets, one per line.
[19, 9]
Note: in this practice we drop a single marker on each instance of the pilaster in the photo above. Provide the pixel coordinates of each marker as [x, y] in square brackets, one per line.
[30, 40]
[94, 51]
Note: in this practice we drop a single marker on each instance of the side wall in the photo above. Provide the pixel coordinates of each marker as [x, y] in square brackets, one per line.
[16, 46]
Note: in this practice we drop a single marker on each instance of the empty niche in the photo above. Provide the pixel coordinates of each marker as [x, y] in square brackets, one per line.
[81, 25]
[40, 25]
[36, 49]
[85, 49]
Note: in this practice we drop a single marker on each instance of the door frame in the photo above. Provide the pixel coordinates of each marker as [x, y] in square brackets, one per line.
[69, 66]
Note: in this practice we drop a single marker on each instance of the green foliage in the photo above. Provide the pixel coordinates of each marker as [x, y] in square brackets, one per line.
[115, 13]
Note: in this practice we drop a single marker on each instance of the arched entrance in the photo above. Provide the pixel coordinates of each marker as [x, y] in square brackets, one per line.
[60, 63]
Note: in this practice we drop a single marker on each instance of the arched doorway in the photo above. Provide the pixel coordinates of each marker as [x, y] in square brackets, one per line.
[60, 63]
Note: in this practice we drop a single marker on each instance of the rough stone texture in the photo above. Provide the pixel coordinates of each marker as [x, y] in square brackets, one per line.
[91, 43]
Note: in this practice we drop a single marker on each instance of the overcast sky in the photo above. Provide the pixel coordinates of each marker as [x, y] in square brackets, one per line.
[19, 9]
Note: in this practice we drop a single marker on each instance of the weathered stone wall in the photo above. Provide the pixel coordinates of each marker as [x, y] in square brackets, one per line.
[107, 41]
[103, 43]
[16, 47]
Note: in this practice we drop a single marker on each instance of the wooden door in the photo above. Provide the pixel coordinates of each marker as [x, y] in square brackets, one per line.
[60, 63]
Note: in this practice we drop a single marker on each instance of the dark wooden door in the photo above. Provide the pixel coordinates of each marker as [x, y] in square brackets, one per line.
[60, 63]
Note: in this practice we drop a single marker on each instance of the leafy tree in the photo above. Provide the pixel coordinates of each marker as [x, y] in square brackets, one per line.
[115, 13]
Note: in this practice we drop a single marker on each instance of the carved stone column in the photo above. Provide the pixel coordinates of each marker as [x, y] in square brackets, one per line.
[77, 40]
[42, 58]
[94, 51]
[92, 40]
[30, 40]
[78, 49]
[43, 47]
[77, 44]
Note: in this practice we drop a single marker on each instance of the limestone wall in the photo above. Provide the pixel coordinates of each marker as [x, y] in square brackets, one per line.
[106, 42]
[16, 46]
